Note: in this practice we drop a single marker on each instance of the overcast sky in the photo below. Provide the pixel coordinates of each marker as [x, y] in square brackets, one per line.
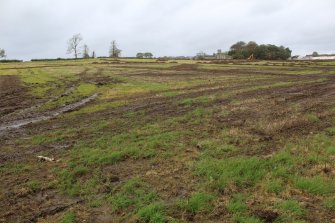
[41, 28]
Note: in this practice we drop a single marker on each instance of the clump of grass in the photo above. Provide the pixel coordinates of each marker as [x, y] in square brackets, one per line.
[237, 205]
[329, 203]
[188, 102]
[247, 219]
[283, 164]
[79, 171]
[152, 213]
[85, 89]
[34, 185]
[138, 144]
[70, 183]
[238, 208]
[133, 193]
[314, 185]
[39, 139]
[15, 168]
[68, 217]
[275, 186]
[291, 207]
[67, 183]
[198, 202]
[312, 118]
[241, 171]
[331, 150]
[331, 130]
[215, 148]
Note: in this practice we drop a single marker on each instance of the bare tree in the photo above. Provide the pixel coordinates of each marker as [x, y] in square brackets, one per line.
[2, 53]
[114, 51]
[73, 44]
[86, 51]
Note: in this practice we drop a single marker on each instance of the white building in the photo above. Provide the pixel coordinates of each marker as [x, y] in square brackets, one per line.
[319, 57]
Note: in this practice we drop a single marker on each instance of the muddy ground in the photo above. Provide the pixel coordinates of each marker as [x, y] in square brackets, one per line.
[261, 111]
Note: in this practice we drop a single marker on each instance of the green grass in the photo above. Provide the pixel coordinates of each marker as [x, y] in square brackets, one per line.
[152, 213]
[329, 204]
[198, 202]
[139, 144]
[34, 185]
[247, 219]
[291, 207]
[199, 100]
[14, 168]
[215, 148]
[237, 205]
[238, 208]
[134, 193]
[283, 164]
[313, 118]
[275, 186]
[53, 137]
[240, 171]
[331, 130]
[85, 89]
[315, 185]
[68, 217]
[331, 150]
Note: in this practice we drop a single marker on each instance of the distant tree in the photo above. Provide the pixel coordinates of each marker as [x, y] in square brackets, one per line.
[241, 50]
[272, 52]
[148, 55]
[201, 55]
[140, 55]
[73, 44]
[315, 54]
[236, 50]
[114, 51]
[86, 52]
[238, 46]
[249, 49]
[93, 54]
[2, 53]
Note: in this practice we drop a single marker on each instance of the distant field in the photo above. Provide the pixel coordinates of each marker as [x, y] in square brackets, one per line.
[175, 141]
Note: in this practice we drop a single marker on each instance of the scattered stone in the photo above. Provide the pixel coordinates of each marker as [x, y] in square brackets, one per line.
[44, 158]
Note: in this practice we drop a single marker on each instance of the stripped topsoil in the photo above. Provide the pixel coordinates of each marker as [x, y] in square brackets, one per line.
[13, 95]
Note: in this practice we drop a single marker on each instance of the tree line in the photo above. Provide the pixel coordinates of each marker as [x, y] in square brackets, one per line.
[144, 55]
[252, 50]
[114, 51]
[239, 50]
[74, 46]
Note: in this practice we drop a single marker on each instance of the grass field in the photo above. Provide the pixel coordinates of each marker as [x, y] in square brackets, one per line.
[176, 141]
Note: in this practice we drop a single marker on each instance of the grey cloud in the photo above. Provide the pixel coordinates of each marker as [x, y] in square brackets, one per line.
[41, 28]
